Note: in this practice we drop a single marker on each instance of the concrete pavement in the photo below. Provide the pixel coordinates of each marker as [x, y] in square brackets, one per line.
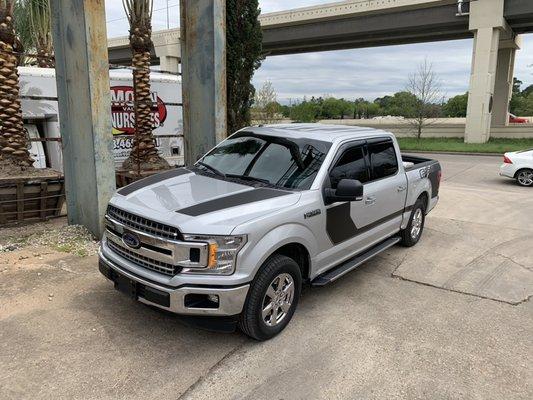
[449, 318]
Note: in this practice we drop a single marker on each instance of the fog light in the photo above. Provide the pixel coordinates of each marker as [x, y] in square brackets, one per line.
[213, 298]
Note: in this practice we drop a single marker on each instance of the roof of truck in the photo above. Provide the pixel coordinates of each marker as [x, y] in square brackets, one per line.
[326, 132]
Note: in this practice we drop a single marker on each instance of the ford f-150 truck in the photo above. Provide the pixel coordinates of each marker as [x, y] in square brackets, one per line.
[270, 208]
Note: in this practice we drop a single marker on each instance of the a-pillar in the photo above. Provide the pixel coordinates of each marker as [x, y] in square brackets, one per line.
[203, 64]
[486, 21]
[503, 87]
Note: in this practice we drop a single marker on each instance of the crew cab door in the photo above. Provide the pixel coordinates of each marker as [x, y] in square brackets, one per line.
[354, 226]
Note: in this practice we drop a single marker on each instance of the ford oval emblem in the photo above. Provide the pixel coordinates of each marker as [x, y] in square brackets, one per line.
[131, 240]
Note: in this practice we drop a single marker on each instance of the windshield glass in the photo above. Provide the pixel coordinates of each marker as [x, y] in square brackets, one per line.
[283, 162]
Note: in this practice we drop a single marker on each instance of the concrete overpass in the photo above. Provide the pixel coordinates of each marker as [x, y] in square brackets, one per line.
[494, 25]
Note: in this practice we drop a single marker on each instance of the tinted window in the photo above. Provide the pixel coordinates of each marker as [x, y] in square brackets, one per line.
[284, 162]
[351, 165]
[383, 159]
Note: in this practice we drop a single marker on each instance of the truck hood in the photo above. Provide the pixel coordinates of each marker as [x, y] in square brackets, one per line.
[198, 203]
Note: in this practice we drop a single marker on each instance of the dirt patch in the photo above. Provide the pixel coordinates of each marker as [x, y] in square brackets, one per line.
[57, 237]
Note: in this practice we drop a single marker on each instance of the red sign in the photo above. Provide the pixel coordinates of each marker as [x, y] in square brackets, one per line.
[122, 112]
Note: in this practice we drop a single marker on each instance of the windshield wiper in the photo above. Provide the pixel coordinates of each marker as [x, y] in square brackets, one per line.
[248, 178]
[212, 169]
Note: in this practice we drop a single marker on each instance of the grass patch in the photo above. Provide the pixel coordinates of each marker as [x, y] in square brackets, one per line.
[494, 145]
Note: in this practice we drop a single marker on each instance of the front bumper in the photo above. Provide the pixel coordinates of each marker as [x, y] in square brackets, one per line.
[185, 300]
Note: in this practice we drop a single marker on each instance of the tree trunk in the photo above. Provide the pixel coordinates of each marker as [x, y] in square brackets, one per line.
[45, 57]
[13, 137]
[144, 155]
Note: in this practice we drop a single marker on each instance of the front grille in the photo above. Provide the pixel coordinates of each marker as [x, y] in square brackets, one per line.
[146, 262]
[143, 224]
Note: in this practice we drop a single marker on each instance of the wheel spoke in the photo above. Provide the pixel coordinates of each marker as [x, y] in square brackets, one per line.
[267, 311]
[271, 292]
[281, 282]
[288, 288]
[285, 307]
[274, 319]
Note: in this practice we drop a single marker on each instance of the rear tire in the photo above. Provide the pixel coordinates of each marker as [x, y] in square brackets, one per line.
[412, 233]
[524, 177]
[272, 298]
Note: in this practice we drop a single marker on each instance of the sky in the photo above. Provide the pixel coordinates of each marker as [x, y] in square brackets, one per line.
[367, 73]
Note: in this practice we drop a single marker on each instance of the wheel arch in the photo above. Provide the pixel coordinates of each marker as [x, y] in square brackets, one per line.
[297, 243]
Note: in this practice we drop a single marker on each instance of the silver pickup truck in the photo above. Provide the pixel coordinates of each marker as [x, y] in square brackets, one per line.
[232, 239]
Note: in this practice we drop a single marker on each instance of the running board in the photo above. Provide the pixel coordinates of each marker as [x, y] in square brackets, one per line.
[353, 263]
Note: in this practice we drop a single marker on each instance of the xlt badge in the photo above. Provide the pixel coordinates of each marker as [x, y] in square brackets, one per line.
[313, 213]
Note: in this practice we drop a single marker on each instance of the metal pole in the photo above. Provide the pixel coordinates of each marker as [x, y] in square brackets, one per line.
[82, 77]
[168, 19]
[203, 58]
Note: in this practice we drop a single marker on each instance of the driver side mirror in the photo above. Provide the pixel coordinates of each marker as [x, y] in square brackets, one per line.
[347, 190]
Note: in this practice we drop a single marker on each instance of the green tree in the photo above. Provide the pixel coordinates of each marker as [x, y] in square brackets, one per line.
[306, 111]
[244, 45]
[33, 23]
[266, 107]
[455, 107]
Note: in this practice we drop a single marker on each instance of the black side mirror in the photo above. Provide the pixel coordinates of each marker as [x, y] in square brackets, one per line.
[347, 190]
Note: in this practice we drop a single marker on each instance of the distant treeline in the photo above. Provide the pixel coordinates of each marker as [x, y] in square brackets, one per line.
[402, 104]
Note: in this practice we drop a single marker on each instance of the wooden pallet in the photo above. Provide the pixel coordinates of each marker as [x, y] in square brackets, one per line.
[30, 199]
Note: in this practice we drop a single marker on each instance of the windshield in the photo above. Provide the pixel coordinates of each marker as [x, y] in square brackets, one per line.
[283, 162]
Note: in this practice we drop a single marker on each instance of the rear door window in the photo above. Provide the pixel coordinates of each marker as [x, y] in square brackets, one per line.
[383, 160]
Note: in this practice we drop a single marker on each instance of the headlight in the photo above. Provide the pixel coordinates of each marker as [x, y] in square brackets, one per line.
[222, 253]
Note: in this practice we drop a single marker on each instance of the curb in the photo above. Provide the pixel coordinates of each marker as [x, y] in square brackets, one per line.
[462, 153]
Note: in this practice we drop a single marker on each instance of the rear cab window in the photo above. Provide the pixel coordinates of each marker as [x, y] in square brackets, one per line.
[382, 157]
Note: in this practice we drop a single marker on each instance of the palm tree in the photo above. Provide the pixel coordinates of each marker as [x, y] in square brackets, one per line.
[40, 16]
[33, 24]
[144, 152]
[13, 136]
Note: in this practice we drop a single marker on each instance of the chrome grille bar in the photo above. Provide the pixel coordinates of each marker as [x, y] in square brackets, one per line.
[145, 262]
[143, 224]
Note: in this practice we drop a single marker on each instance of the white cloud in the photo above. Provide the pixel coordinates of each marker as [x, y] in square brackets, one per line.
[368, 73]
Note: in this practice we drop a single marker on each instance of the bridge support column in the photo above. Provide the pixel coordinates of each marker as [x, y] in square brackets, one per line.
[486, 21]
[82, 77]
[168, 50]
[203, 62]
[503, 88]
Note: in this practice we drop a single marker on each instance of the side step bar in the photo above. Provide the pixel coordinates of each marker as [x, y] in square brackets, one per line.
[347, 266]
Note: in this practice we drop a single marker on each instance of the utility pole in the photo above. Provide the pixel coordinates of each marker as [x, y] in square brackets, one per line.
[82, 77]
[203, 63]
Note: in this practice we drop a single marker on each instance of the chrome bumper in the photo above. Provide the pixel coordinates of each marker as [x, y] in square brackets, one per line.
[230, 300]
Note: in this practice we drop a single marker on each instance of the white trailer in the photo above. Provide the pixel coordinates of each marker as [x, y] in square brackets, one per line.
[41, 117]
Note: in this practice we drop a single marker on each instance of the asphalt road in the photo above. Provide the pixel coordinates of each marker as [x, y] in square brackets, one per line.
[450, 318]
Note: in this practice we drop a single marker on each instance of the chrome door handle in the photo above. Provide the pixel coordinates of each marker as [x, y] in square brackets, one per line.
[370, 200]
[401, 188]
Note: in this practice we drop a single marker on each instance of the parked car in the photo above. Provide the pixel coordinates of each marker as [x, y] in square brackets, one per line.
[269, 208]
[518, 165]
[513, 119]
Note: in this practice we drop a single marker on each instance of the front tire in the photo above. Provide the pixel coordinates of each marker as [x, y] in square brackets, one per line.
[524, 177]
[412, 233]
[272, 298]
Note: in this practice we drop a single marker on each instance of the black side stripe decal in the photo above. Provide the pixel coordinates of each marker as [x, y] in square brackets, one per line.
[150, 180]
[233, 200]
[340, 226]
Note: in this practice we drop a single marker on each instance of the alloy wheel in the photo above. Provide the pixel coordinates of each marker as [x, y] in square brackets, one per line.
[278, 299]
